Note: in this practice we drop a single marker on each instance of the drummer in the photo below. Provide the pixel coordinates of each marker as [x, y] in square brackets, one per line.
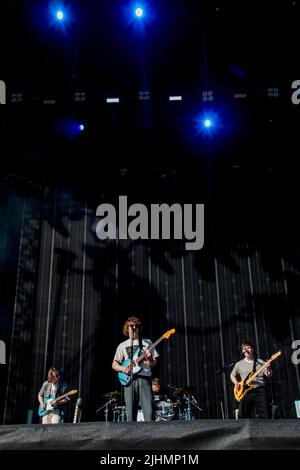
[157, 392]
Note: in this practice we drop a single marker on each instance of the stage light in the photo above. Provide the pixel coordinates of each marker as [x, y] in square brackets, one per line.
[139, 12]
[144, 95]
[175, 98]
[207, 95]
[80, 96]
[273, 92]
[238, 96]
[138, 15]
[112, 100]
[16, 98]
[69, 127]
[207, 123]
[60, 15]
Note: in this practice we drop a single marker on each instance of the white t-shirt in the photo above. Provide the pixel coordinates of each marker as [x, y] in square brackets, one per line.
[243, 367]
[123, 353]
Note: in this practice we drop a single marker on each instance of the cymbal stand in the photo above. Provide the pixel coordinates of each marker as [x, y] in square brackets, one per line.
[195, 404]
[188, 412]
[105, 406]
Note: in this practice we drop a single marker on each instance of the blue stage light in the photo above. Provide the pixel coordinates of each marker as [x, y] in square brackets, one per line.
[207, 123]
[139, 12]
[81, 127]
[60, 15]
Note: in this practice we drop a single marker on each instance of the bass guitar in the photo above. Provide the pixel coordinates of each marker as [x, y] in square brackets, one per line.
[246, 385]
[125, 379]
[51, 402]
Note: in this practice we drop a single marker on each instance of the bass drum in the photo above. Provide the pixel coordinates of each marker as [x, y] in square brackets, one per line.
[164, 410]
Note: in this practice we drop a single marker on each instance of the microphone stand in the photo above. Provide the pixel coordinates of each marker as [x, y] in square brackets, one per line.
[195, 404]
[221, 371]
[226, 366]
[134, 329]
[106, 405]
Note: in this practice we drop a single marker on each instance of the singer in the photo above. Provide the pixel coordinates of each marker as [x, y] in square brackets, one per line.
[138, 389]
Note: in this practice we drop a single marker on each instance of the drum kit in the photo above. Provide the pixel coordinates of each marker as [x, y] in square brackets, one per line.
[180, 407]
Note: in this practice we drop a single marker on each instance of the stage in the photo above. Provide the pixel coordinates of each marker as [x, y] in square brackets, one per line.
[255, 434]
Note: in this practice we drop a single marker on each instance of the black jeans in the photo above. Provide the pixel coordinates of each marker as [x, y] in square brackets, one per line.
[254, 401]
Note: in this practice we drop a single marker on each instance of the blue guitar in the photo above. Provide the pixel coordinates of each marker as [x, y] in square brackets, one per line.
[51, 402]
[125, 379]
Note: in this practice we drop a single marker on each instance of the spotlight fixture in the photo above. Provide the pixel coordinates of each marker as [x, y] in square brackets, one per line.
[112, 100]
[175, 98]
[80, 96]
[139, 12]
[207, 95]
[16, 98]
[273, 92]
[144, 95]
[60, 15]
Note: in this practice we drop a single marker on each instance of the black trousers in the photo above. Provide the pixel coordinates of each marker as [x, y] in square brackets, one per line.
[254, 404]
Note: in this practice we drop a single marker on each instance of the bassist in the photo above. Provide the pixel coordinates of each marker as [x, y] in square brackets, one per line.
[138, 390]
[255, 398]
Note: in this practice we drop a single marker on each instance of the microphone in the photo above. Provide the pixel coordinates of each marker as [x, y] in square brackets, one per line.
[171, 386]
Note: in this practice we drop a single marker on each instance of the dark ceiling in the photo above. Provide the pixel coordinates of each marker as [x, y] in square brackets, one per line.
[185, 47]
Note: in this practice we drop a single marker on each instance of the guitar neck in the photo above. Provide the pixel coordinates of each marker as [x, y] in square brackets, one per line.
[264, 366]
[75, 414]
[142, 356]
[62, 397]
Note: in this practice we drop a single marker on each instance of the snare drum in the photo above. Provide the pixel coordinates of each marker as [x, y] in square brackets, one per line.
[164, 411]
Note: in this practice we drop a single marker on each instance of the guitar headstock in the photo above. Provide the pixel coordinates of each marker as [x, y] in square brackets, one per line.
[169, 333]
[72, 392]
[275, 355]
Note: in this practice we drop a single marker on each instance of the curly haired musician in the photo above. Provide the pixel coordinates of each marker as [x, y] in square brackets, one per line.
[255, 398]
[141, 379]
[53, 387]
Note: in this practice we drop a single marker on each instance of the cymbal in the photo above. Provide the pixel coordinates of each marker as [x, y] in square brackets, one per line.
[112, 395]
[179, 391]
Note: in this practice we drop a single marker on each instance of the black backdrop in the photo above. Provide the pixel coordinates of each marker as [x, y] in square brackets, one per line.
[65, 293]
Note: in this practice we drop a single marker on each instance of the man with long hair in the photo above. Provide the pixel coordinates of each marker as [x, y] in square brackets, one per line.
[138, 388]
[51, 389]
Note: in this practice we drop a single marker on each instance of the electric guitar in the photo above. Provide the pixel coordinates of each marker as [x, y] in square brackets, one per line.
[51, 402]
[125, 379]
[246, 384]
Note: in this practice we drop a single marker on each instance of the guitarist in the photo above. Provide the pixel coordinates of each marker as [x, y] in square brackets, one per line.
[53, 387]
[138, 389]
[256, 398]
